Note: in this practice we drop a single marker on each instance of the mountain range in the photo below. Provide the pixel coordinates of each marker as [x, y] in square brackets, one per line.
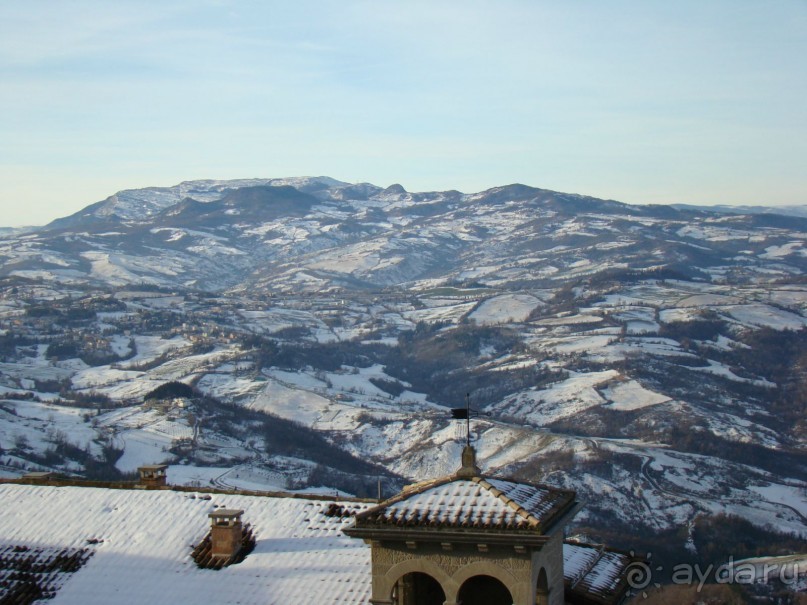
[650, 357]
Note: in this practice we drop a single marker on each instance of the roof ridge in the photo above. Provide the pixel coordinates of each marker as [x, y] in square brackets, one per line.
[134, 486]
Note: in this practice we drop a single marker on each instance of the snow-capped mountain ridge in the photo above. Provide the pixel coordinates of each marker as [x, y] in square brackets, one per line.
[140, 204]
[267, 233]
[647, 356]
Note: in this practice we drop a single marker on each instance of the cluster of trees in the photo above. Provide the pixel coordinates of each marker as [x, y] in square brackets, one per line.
[61, 451]
[780, 356]
[88, 399]
[75, 312]
[718, 537]
[442, 361]
[631, 276]
[708, 327]
[438, 359]
[692, 435]
[172, 390]
[687, 439]
[9, 343]
[92, 351]
[294, 355]
[336, 467]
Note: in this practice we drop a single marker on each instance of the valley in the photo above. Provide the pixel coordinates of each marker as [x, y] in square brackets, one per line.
[308, 334]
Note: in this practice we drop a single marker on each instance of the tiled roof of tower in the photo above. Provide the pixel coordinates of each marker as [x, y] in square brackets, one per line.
[472, 503]
[140, 542]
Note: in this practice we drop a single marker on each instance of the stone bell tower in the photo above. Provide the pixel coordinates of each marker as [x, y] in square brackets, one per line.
[470, 540]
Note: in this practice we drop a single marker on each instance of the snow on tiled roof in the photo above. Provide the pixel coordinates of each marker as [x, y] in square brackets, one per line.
[141, 544]
[471, 503]
[578, 560]
[27, 574]
[595, 571]
[606, 573]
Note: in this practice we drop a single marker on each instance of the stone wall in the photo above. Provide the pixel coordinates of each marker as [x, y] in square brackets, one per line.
[452, 565]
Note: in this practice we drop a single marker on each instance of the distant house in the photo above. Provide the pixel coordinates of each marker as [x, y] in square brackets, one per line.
[459, 539]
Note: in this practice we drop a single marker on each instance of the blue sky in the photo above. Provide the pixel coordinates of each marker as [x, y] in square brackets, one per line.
[643, 101]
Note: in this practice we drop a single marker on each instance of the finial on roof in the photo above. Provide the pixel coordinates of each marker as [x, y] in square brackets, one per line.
[469, 467]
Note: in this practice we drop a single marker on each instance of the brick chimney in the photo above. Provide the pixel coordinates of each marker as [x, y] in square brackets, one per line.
[153, 475]
[226, 533]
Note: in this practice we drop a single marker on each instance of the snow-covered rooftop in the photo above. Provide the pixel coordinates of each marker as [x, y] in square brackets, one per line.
[472, 503]
[140, 544]
[100, 545]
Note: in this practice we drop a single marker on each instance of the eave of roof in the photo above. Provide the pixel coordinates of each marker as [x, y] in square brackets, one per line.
[56, 480]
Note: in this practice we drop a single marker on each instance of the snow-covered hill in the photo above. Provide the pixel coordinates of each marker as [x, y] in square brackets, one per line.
[792, 210]
[651, 358]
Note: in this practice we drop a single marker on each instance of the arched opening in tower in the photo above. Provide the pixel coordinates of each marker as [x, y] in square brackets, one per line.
[542, 589]
[484, 590]
[418, 588]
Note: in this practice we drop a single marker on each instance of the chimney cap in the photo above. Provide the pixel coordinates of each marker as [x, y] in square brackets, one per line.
[226, 513]
[152, 467]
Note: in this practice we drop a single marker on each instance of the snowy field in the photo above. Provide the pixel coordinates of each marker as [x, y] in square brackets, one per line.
[508, 308]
